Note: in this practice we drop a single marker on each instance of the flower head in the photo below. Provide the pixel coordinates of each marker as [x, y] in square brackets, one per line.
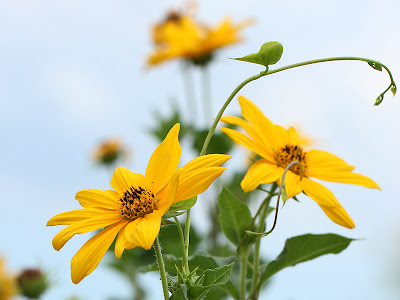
[8, 286]
[179, 36]
[278, 147]
[133, 210]
[109, 151]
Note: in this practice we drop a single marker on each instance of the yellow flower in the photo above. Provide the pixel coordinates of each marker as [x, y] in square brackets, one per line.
[179, 36]
[7, 283]
[109, 151]
[134, 209]
[278, 147]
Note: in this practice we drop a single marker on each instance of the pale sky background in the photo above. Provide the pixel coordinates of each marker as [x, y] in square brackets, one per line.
[72, 73]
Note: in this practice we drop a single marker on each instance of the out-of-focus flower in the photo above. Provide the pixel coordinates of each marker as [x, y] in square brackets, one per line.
[110, 151]
[32, 283]
[180, 36]
[134, 209]
[279, 147]
[7, 283]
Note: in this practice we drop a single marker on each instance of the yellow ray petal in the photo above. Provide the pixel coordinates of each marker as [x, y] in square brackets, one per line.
[195, 182]
[167, 195]
[243, 140]
[144, 232]
[261, 172]
[346, 177]
[84, 226]
[264, 127]
[121, 243]
[164, 160]
[98, 198]
[205, 161]
[70, 217]
[123, 180]
[339, 216]
[322, 161]
[318, 193]
[88, 257]
[292, 184]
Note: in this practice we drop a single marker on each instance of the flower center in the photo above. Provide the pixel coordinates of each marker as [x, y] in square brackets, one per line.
[137, 202]
[285, 155]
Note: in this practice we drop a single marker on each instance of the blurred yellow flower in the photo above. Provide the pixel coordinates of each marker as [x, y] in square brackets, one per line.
[109, 151]
[134, 209]
[179, 36]
[278, 147]
[8, 286]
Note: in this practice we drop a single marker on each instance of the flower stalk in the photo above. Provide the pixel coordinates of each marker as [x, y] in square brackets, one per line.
[161, 268]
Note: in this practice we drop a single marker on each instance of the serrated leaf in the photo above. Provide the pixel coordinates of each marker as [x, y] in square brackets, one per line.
[303, 248]
[270, 53]
[376, 66]
[234, 216]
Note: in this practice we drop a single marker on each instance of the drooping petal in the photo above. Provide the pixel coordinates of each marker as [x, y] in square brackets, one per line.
[322, 161]
[205, 161]
[70, 217]
[339, 216]
[144, 232]
[292, 184]
[243, 140]
[164, 160]
[261, 124]
[347, 177]
[319, 193]
[98, 198]
[84, 226]
[123, 180]
[121, 243]
[195, 182]
[88, 257]
[261, 172]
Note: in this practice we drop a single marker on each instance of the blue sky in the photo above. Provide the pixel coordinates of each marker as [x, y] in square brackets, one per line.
[72, 73]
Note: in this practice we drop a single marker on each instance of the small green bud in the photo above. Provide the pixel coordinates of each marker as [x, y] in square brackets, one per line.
[394, 90]
[32, 283]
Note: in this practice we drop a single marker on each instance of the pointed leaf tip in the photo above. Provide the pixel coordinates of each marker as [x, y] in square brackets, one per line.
[394, 90]
[270, 53]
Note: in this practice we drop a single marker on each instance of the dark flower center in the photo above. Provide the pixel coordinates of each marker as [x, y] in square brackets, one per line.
[137, 202]
[289, 153]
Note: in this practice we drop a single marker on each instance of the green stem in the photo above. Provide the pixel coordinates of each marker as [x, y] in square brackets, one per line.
[161, 267]
[188, 87]
[266, 72]
[205, 78]
[185, 262]
[260, 228]
[243, 274]
[181, 237]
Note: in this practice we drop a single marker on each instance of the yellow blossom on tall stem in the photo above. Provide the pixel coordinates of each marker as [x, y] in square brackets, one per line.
[278, 147]
[8, 287]
[180, 36]
[133, 210]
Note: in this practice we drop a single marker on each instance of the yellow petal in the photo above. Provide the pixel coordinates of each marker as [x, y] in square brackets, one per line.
[292, 184]
[261, 172]
[318, 193]
[144, 232]
[167, 195]
[164, 160]
[261, 124]
[98, 198]
[84, 226]
[121, 243]
[123, 180]
[347, 177]
[88, 257]
[322, 161]
[339, 216]
[205, 161]
[243, 140]
[195, 182]
[70, 217]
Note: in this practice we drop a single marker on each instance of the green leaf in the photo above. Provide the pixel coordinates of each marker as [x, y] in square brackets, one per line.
[379, 100]
[270, 53]
[284, 194]
[305, 247]
[180, 294]
[234, 216]
[394, 90]
[183, 205]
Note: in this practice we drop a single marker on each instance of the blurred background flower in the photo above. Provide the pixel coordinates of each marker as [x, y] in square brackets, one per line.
[8, 288]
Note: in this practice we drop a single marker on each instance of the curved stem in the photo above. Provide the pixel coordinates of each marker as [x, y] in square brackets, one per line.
[161, 268]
